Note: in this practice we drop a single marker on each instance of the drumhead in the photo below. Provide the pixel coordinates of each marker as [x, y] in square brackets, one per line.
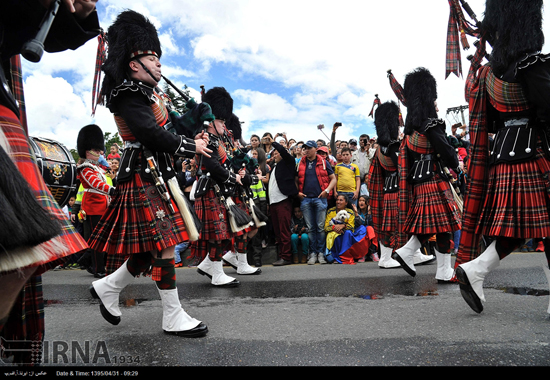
[57, 166]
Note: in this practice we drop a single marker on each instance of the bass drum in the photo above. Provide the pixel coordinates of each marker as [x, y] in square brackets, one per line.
[58, 168]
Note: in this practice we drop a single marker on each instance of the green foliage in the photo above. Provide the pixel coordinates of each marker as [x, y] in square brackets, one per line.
[177, 101]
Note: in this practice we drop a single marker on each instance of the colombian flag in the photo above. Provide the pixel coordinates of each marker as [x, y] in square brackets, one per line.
[351, 245]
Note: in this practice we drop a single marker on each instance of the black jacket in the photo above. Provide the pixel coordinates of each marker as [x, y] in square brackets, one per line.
[286, 171]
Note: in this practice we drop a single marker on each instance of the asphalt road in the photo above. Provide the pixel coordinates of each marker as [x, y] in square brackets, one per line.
[302, 316]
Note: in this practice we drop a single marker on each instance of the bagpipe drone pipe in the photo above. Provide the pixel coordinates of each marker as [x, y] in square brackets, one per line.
[188, 124]
[242, 160]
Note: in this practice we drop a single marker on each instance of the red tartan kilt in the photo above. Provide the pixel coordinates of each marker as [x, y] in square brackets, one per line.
[517, 200]
[433, 209]
[213, 216]
[390, 212]
[22, 156]
[130, 225]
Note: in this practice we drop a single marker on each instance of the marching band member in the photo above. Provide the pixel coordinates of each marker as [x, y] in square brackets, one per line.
[216, 186]
[384, 182]
[35, 233]
[507, 198]
[426, 203]
[237, 257]
[96, 187]
[142, 222]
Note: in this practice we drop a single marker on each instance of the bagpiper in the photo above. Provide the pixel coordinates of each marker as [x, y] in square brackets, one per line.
[143, 222]
[222, 218]
[507, 198]
[426, 203]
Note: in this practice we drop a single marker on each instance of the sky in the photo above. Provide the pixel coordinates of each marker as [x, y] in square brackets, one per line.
[288, 65]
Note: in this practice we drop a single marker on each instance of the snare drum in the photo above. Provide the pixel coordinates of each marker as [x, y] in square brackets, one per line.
[57, 166]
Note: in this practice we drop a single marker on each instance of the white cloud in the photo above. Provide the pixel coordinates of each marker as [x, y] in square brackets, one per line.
[290, 65]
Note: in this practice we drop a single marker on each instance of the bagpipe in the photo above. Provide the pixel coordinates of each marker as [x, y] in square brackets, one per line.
[240, 160]
[34, 48]
[185, 126]
[193, 120]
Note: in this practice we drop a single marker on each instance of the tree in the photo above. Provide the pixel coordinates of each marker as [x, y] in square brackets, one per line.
[178, 101]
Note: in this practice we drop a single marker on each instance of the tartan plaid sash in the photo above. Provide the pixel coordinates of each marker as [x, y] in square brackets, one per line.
[399, 92]
[101, 56]
[457, 29]
[397, 88]
[482, 86]
[17, 89]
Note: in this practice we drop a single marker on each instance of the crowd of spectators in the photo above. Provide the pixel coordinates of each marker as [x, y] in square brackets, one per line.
[304, 185]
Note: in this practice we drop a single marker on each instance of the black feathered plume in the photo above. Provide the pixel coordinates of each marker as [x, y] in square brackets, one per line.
[386, 121]
[420, 90]
[514, 28]
[89, 137]
[220, 102]
[130, 32]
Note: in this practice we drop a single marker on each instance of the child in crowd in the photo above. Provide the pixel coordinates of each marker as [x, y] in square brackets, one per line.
[299, 230]
[363, 217]
[113, 152]
[348, 177]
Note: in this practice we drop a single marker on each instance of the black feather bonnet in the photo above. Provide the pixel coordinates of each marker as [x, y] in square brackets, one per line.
[420, 90]
[89, 137]
[130, 36]
[514, 29]
[386, 121]
[220, 102]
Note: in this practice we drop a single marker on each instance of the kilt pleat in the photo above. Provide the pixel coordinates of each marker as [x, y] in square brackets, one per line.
[390, 212]
[69, 241]
[137, 220]
[433, 209]
[517, 200]
[212, 213]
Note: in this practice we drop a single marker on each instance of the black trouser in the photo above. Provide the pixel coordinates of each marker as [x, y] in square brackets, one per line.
[93, 259]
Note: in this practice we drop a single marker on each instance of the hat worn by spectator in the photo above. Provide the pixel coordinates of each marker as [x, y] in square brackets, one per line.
[311, 144]
[323, 149]
[353, 142]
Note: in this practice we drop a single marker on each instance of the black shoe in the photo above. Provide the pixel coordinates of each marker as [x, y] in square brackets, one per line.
[203, 273]
[99, 275]
[281, 262]
[196, 332]
[467, 291]
[398, 258]
[114, 320]
[258, 263]
[231, 284]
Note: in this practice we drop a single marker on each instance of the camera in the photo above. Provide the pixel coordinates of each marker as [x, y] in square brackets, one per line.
[338, 124]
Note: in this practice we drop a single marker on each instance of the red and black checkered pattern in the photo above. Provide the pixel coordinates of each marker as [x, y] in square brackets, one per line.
[428, 207]
[481, 87]
[164, 273]
[516, 202]
[432, 209]
[23, 332]
[137, 220]
[22, 156]
[390, 212]
[214, 217]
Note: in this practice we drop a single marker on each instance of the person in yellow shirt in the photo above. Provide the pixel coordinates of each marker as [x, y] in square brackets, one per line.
[348, 177]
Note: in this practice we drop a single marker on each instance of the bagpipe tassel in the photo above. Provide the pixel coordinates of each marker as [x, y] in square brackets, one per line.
[259, 217]
[464, 40]
[238, 218]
